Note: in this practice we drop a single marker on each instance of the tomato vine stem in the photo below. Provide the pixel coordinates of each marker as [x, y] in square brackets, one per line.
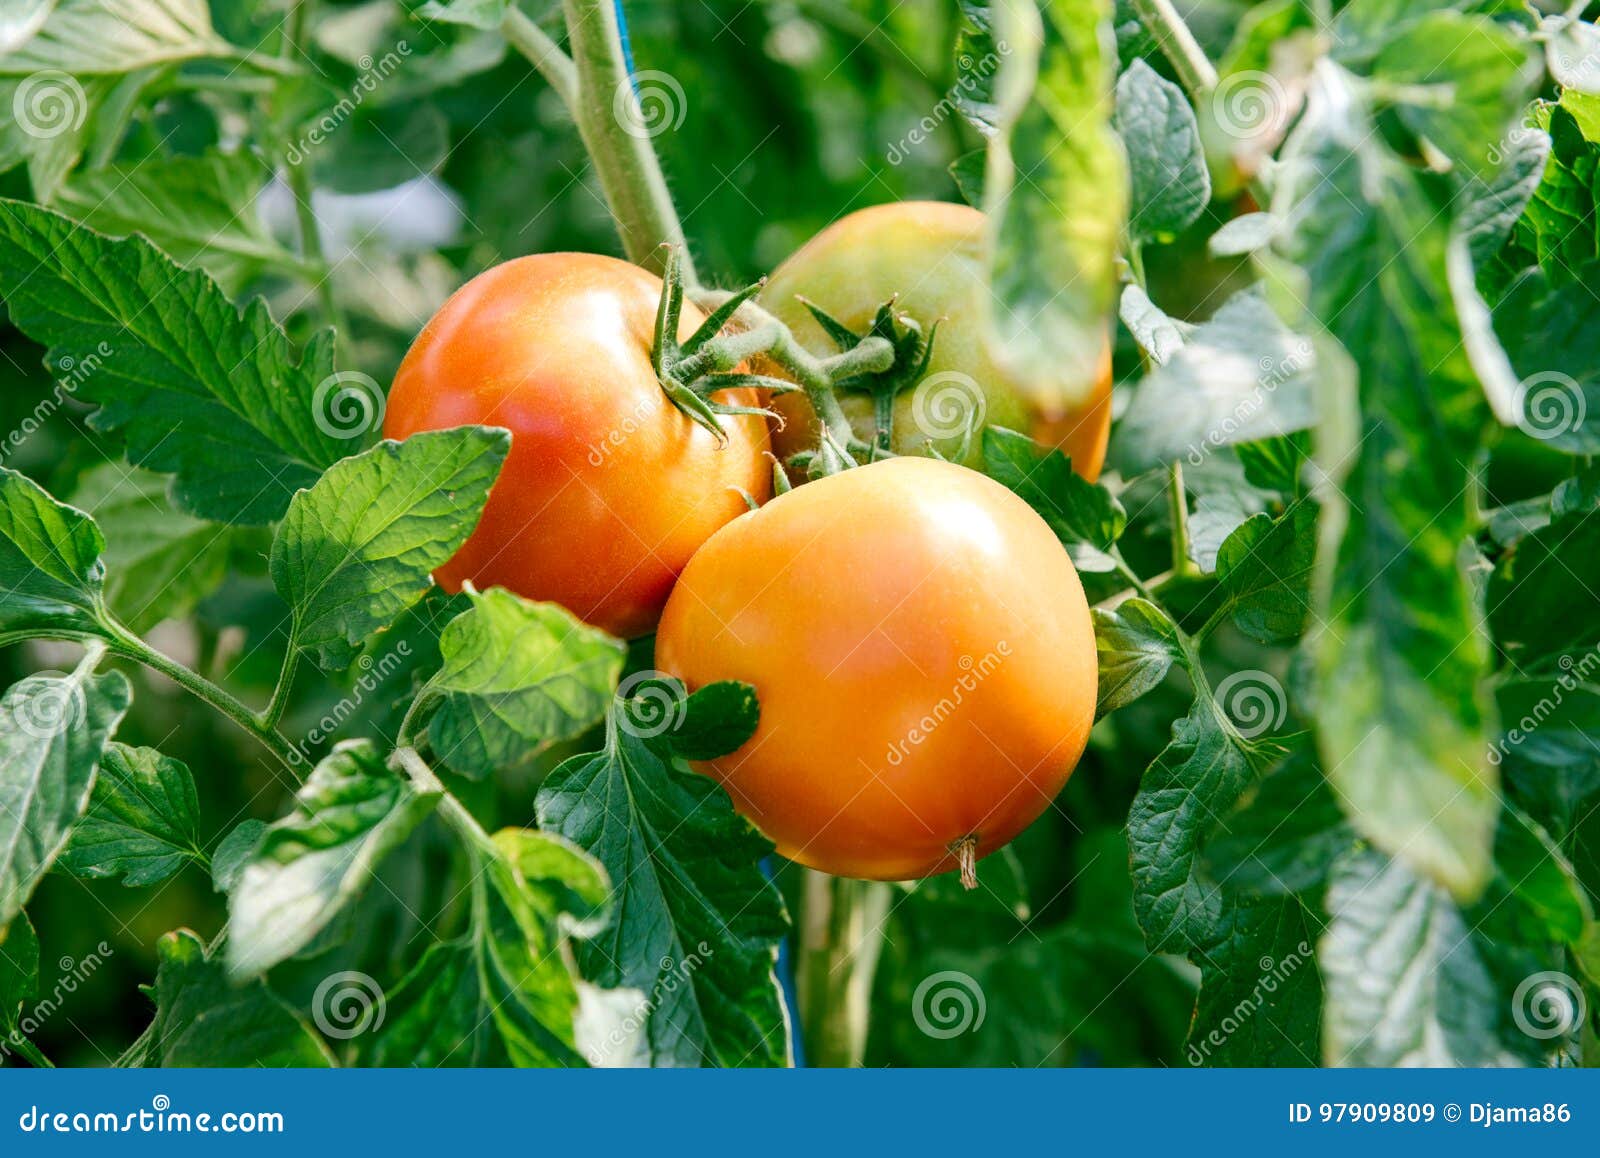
[1178, 45]
[841, 935]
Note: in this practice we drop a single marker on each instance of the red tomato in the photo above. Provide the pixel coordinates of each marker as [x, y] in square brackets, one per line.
[924, 658]
[609, 488]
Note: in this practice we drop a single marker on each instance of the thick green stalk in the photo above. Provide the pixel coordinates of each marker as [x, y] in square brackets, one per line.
[545, 54]
[1178, 44]
[841, 933]
[619, 144]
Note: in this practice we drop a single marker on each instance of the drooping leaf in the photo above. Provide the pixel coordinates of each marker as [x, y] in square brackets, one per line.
[19, 973]
[1493, 203]
[1399, 652]
[350, 813]
[1265, 570]
[1550, 338]
[205, 1019]
[1056, 194]
[1284, 834]
[1166, 163]
[50, 568]
[698, 923]
[516, 677]
[201, 390]
[359, 547]
[142, 823]
[53, 731]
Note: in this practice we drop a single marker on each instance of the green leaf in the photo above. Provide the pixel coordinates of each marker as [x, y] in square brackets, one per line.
[233, 852]
[1265, 570]
[1084, 515]
[1283, 835]
[1239, 377]
[1549, 335]
[200, 390]
[698, 923]
[1056, 196]
[19, 975]
[517, 676]
[351, 813]
[1467, 78]
[504, 992]
[1550, 571]
[159, 562]
[205, 1019]
[1399, 652]
[199, 210]
[1493, 203]
[91, 36]
[50, 568]
[1137, 645]
[1243, 234]
[359, 547]
[1535, 871]
[717, 719]
[1275, 464]
[1571, 50]
[485, 14]
[968, 172]
[1407, 981]
[1204, 769]
[53, 730]
[142, 820]
[21, 19]
[1159, 335]
[1260, 998]
[1171, 185]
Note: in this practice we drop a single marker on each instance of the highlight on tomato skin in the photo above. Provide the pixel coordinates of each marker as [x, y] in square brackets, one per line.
[928, 256]
[609, 488]
[923, 654]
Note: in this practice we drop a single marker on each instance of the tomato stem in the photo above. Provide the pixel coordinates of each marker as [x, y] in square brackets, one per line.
[618, 137]
[841, 934]
[965, 851]
[544, 54]
[1178, 45]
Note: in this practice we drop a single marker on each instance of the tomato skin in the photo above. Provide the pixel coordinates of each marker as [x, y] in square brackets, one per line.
[609, 488]
[930, 254]
[923, 655]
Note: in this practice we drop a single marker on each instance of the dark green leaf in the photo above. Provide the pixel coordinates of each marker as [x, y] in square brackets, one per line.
[233, 853]
[1260, 998]
[200, 390]
[1137, 645]
[1284, 834]
[50, 568]
[517, 676]
[142, 820]
[698, 923]
[1549, 334]
[19, 973]
[717, 720]
[1166, 164]
[204, 1019]
[1081, 513]
[1265, 567]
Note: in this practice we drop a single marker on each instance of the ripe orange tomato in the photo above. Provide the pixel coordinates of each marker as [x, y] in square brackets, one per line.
[923, 655]
[930, 254]
[608, 488]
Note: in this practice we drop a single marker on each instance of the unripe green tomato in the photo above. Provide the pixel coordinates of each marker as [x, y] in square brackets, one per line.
[929, 257]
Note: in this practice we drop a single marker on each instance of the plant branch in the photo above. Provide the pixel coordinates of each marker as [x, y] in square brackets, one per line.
[1178, 504]
[124, 643]
[269, 716]
[545, 55]
[1178, 44]
[607, 114]
[841, 934]
[299, 181]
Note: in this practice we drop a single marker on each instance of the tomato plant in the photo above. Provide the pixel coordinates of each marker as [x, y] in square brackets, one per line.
[1196, 399]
